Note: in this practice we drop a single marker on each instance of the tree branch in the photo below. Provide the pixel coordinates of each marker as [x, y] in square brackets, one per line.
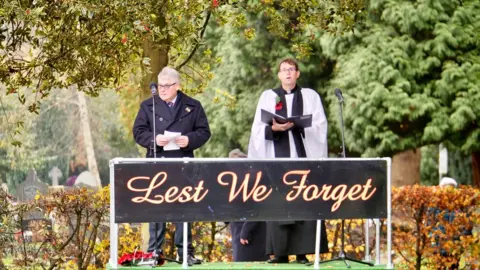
[204, 27]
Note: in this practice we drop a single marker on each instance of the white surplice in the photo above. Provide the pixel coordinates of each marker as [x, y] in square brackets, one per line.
[315, 140]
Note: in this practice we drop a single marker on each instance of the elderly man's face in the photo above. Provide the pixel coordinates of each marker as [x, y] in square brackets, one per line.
[167, 89]
[287, 74]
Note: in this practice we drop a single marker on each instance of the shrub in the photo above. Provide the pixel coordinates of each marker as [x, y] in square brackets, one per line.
[433, 226]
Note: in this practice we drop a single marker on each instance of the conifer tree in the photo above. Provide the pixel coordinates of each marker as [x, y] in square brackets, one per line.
[411, 77]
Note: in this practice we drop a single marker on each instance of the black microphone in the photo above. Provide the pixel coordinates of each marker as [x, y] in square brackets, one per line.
[153, 88]
[338, 93]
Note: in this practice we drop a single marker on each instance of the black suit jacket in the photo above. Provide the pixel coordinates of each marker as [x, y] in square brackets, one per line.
[187, 117]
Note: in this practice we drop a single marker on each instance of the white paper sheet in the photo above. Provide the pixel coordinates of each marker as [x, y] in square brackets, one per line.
[171, 144]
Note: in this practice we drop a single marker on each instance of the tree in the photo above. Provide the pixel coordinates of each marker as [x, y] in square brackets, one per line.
[246, 69]
[55, 137]
[411, 78]
[54, 44]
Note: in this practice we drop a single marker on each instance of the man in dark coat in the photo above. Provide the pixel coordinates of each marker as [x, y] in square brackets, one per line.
[284, 140]
[181, 126]
[248, 238]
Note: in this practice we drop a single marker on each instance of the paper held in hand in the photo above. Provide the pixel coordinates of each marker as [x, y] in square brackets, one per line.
[302, 121]
[171, 136]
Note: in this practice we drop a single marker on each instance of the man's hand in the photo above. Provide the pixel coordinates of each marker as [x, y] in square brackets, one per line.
[182, 141]
[161, 140]
[281, 127]
[243, 241]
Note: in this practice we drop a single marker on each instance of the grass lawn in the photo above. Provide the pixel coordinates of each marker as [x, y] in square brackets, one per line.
[260, 265]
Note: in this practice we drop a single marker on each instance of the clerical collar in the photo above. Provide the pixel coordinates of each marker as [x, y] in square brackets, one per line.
[295, 89]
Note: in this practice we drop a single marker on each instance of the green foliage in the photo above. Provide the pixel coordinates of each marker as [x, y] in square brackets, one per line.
[411, 76]
[55, 44]
[429, 165]
[54, 137]
[79, 220]
[248, 68]
[9, 223]
[460, 167]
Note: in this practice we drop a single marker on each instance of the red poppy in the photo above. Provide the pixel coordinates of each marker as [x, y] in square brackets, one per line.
[215, 3]
[278, 106]
[132, 259]
[124, 39]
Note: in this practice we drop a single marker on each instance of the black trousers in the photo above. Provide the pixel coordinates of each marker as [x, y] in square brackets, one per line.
[161, 228]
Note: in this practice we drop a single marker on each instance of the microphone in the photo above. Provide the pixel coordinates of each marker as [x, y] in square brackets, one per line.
[338, 93]
[153, 88]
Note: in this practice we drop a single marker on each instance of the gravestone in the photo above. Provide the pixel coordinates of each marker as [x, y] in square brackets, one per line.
[27, 190]
[3, 186]
[55, 174]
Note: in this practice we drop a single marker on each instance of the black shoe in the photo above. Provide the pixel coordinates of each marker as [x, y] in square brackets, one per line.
[191, 260]
[279, 259]
[195, 260]
[302, 259]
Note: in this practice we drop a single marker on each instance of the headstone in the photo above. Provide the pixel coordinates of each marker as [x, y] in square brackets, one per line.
[27, 190]
[3, 186]
[55, 174]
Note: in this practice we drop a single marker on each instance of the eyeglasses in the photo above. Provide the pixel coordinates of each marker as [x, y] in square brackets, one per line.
[285, 70]
[160, 86]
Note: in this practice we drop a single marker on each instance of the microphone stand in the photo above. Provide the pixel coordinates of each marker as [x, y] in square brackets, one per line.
[154, 144]
[158, 259]
[342, 256]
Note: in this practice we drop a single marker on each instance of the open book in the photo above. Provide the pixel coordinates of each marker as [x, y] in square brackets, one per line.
[301, 121]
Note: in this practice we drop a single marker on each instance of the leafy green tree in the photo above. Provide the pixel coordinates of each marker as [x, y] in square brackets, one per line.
[247, 68]
[54, 44]
[411, 76]
[54, 137]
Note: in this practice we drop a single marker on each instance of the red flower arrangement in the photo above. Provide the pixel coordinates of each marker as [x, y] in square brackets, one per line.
[132, 259]
[279, 104]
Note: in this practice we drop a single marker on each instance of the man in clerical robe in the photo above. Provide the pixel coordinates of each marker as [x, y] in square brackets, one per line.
[287, 141]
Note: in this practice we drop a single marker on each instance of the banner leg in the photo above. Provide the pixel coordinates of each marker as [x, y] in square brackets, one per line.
[377, 242]
[318, 237]
[389, 215]
[367, 240]
[113, 225]
[185, 245]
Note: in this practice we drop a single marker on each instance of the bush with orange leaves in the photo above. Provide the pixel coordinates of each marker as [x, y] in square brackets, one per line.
[433, 227]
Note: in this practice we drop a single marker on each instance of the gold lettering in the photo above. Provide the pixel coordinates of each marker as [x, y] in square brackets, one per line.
[258, 192]
[366, 187]
[197, 197]
[153, 185]
[338, 194]
[292, 195]
[353, 191]
[171, 195]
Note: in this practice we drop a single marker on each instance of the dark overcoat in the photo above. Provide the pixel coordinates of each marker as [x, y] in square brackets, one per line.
[187, 117]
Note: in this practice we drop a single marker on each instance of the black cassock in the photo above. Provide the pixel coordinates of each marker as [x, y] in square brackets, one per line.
[255, 233]
[291, 237]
